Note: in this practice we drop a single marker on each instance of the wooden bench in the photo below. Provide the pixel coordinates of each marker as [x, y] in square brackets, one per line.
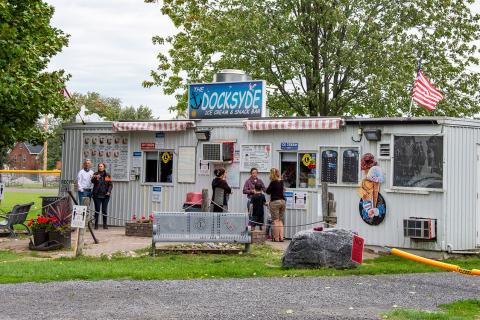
[201, 227]
[18, 215]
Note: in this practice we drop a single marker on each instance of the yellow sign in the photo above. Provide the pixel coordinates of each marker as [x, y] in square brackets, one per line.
[166, 157]
[307, 160]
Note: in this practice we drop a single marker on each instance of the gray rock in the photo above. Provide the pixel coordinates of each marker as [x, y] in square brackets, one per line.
[319, 249]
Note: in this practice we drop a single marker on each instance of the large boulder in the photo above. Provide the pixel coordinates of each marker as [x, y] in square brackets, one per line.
[319, 249]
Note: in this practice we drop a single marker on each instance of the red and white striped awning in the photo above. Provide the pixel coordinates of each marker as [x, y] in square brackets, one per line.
[153, 126]
[293, 124]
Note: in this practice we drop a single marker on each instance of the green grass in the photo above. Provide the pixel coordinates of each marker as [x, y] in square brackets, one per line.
[262, 262]
[12, 198]
[460, 310]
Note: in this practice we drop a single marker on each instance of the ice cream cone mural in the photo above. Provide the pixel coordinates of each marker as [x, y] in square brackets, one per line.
[372, 206]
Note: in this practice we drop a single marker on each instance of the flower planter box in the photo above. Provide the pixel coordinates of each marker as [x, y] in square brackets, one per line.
[63, 237]
[39, 236]
[136, 229]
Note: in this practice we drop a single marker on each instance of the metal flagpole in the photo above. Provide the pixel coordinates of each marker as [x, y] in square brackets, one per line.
[419, 66]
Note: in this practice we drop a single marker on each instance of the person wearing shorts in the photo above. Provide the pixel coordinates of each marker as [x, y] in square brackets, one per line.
[277, 203]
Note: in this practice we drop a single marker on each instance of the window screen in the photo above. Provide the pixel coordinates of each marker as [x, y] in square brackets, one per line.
[350, 165]
[329, 166]
[418, 161]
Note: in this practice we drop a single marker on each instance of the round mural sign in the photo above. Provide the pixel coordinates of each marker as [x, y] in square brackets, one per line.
[373, 216]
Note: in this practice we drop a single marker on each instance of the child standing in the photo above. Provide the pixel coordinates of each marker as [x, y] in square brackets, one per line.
[258, 202]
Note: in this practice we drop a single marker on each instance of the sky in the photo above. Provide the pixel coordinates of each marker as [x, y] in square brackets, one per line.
[111, 51]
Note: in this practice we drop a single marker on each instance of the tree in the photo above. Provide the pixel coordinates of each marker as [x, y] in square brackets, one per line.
[27, 91]
[110, 108]
[326, 57]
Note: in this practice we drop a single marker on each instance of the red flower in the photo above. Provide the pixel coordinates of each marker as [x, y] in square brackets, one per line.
[30, 222]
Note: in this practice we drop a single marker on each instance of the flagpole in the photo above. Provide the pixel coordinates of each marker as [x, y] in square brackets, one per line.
[419, 66]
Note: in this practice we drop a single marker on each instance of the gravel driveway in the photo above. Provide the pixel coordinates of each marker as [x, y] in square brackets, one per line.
[353, 297]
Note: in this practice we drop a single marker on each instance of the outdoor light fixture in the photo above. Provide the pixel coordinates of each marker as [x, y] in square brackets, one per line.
[372, 134]
[202, 135]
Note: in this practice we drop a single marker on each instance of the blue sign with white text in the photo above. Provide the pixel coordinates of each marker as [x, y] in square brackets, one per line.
[227, 100]
[289, 146]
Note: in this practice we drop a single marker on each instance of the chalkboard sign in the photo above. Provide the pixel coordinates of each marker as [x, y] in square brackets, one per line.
[418, 161]
[329, 166]
[350, 166]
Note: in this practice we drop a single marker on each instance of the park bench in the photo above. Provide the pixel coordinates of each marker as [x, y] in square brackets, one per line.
[18, 215]
[200, 227]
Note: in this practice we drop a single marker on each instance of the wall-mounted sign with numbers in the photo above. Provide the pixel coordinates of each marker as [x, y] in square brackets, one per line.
[111, 149]
[256, 156]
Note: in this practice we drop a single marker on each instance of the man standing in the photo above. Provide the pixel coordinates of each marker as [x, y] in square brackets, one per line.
[84, 181]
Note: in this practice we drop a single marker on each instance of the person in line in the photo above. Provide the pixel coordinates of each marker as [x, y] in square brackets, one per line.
[220, 182]
[102, 189]
[277, 203]
[84, 182]
[258, 201]
[249, 186]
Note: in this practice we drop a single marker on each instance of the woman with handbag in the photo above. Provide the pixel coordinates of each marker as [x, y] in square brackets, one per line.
[102, 189]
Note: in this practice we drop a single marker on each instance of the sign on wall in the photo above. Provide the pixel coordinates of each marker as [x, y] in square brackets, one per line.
[289, 199]
[111, 149]
[159, 140]
[255, 156]
[289, 146]
[227, 100]
[186, 164]
[300, 200]
[157, 194]
[204, 168]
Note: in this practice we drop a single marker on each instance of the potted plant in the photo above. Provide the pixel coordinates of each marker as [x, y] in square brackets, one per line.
[40, 227]
[61, 228]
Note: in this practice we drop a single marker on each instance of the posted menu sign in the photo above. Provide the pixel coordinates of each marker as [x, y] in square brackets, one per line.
[256, 156]
[227, 100]
[111, 149]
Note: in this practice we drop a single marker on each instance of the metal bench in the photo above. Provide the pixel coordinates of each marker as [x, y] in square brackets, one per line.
[18, 215]
[201, 227]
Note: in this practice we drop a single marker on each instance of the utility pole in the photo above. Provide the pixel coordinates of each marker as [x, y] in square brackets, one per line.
[45, 144]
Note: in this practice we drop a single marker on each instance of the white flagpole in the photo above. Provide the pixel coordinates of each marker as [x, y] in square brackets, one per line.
[419, 66]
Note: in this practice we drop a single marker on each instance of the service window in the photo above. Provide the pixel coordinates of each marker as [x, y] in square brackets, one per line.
[298, 169]
[340, 164]
[288, 169]
[159, 166]
[418, 162]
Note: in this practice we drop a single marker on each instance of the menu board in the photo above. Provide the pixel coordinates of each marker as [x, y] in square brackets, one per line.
[111, 149]
[256, 156]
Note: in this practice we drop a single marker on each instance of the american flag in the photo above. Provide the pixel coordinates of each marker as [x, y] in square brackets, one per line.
[424, 92]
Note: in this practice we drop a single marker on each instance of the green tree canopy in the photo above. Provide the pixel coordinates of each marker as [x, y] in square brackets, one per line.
[326, 57]
[27, 91]
[110, 108]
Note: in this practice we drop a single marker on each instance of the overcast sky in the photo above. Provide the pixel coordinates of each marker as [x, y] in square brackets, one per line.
[111, 51]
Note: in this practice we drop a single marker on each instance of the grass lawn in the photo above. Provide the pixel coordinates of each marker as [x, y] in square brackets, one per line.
[460, 310]
[261, 262]
[12, 198]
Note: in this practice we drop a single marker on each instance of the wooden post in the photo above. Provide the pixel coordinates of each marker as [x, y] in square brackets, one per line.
[324, 200]
[204, 200]
[81, 233]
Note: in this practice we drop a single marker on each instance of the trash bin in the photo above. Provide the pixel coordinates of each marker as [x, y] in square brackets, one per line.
[193, 203]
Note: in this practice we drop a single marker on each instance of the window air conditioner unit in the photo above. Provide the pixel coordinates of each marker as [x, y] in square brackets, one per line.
[218, 152]
[420, 228]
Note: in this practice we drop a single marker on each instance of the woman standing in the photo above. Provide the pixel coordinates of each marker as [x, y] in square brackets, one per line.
[277, 203]
[250, 184]
[218, 183]
[102, 188]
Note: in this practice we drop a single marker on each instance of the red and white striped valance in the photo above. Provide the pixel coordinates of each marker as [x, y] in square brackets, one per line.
[153, 126]
[293, 124]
